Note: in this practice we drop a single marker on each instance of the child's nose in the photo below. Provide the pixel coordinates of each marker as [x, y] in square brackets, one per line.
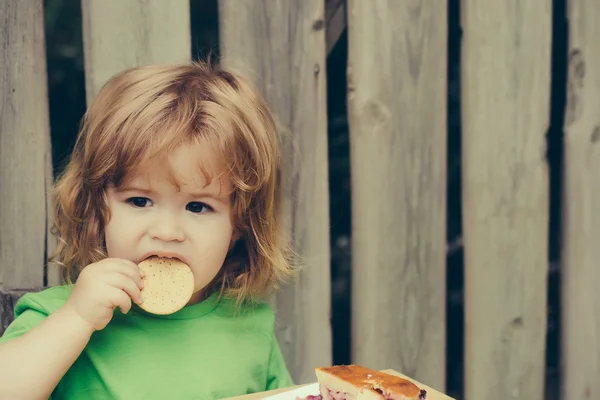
[167, 229]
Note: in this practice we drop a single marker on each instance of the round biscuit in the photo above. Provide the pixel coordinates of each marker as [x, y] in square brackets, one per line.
[168, 285]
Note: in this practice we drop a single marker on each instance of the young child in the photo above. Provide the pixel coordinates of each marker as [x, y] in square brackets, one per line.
[176, 161]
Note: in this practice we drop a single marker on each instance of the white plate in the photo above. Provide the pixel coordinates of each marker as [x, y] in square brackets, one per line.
[300, 392]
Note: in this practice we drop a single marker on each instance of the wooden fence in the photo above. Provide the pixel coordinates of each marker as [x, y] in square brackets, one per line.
[397, 108]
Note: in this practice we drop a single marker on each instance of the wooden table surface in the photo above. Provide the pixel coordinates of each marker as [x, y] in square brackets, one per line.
[432, 394]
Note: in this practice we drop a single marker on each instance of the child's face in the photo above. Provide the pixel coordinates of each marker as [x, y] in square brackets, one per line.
[151, 215]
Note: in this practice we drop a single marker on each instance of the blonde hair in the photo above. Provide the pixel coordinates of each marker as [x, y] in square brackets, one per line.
[146, 112]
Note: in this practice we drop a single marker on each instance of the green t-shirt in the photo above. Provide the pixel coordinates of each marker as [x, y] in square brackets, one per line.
[203, 351]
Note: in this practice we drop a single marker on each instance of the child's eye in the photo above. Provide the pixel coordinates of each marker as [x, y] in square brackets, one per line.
[139, 202]
[198, 207]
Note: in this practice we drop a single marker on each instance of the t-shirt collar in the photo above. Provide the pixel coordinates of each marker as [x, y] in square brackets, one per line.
[188, 312]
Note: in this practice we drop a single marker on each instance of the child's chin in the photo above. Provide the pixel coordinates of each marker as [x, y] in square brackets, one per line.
[197, 296]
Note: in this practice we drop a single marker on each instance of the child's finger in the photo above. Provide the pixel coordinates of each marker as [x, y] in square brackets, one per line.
[134, 266]
[129, 286]
[134, 273]
[122, 300]
[121, 265]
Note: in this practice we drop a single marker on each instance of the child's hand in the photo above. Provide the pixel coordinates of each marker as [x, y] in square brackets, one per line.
[104, 286]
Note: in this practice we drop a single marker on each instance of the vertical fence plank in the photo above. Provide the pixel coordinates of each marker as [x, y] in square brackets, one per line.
[123, 34]
[506, 105]
[24, 144]
[397, 115]
[282, 46]
[581, 223]
[54, 274]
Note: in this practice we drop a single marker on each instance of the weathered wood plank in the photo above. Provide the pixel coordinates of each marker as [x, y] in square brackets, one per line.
[8, 299]
[24, 144]
[581, 215]
[397, 115]
[53, 272]
[505, 115]
[281, 46]
[123, 34]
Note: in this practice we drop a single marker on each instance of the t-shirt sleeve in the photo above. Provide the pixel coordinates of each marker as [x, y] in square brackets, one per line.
[25, 319]
[30, 310]
[278, 375]
[22, 324]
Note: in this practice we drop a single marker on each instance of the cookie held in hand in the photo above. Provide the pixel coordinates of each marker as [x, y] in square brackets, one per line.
[168, 285]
